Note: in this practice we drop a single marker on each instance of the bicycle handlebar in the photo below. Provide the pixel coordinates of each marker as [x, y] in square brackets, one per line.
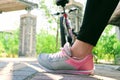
[71, 10]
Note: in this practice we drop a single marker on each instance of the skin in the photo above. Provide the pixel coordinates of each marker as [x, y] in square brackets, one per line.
[81, 49]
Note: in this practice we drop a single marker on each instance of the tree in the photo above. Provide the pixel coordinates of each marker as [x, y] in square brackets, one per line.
[9, 43]
[45, 43]
[51, 20]
[108, 44]
[116, 48]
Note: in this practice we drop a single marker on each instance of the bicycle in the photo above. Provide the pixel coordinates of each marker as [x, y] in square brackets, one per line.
[67, 32]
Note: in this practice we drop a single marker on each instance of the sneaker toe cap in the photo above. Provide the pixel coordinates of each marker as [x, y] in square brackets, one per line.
[43, 61]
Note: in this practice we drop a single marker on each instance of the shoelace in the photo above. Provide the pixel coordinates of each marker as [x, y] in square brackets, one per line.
[59, 54]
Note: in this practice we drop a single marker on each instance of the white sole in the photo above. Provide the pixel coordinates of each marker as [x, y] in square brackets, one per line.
[88, 72]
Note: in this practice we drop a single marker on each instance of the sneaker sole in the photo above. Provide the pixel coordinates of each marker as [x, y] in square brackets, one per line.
[87, 72]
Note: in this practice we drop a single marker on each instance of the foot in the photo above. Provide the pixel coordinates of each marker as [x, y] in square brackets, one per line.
[62, 62]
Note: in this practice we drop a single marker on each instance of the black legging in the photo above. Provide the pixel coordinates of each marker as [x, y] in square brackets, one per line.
[96, 17]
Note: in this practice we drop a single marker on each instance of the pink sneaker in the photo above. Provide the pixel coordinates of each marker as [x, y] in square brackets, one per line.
[62, 62]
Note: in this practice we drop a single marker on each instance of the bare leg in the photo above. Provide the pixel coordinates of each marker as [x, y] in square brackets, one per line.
[81, 49]
[97, 14]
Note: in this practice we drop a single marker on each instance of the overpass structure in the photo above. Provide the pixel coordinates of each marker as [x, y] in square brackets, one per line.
[13, 5]
[27, 24]
[115, 20]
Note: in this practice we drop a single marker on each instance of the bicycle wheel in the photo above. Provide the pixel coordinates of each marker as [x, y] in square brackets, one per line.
[62, 32]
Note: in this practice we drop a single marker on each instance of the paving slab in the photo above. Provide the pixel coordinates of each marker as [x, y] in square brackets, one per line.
[16, 68]
[102, 72]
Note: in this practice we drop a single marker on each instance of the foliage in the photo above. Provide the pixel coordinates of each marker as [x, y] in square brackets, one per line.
[108, 45]
[46, 42]
[9, 44]
[46, 10]
[116, 48]
[1, 47]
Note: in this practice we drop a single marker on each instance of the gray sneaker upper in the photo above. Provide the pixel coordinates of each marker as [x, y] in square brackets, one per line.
[56, 61]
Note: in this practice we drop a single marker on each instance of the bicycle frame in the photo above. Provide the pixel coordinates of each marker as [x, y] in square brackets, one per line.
[69, 32]
[66, 31]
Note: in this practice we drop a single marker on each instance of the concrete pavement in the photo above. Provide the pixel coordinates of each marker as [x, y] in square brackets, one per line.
[28, 69]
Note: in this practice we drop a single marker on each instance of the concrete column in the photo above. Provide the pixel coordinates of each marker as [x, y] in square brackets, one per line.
[118, 32]
[27, 46]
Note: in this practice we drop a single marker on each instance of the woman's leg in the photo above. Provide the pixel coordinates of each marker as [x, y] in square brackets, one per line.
[97, 14]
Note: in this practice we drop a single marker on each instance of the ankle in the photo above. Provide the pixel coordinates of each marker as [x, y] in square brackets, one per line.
[81, 49]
